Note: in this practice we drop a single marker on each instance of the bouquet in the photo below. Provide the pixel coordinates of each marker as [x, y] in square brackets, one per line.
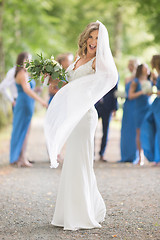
[121, 94]
[44, 69]
[146, 87]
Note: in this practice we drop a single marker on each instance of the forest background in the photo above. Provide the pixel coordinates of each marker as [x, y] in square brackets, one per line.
[53, 26]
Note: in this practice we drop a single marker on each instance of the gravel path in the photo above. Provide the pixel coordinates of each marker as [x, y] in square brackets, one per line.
[27, 196]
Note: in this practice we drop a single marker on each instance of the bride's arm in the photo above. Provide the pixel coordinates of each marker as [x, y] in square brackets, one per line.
[132, 91]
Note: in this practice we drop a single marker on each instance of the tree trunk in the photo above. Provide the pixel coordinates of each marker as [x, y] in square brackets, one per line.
[118, 33]
[2, 59]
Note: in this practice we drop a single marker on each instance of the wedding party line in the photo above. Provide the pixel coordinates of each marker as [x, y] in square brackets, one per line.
[140, 119]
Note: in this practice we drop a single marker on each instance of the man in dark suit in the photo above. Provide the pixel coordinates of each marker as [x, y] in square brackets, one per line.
[105, 107]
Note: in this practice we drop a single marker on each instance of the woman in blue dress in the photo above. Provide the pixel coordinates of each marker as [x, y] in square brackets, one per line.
[142, 101]
[151, 126]
[156, 108]
[128, 146]
[22, 113]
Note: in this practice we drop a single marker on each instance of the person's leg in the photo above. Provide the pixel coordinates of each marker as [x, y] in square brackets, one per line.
[23, 161]
[105, 125]
[138, 144]
[99, 112]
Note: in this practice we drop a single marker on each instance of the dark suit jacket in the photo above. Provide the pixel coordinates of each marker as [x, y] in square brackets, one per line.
[108, 103]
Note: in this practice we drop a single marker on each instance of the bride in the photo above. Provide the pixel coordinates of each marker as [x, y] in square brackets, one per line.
[72, 118]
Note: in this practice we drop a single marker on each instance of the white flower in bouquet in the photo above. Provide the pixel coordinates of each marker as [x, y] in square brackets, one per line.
[146, 86]
[56, 64]
[53, 60]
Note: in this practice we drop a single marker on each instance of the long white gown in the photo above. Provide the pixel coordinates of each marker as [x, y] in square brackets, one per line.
[79, 204]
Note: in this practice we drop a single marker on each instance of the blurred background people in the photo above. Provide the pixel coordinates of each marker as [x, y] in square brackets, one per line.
[150, 135]
[64, 60]
[106, 107]
[128, 146]
[142, 101]
[23, 112]
[8, 86]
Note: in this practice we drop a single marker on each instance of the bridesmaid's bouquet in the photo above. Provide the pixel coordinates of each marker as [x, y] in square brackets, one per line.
[45, 69]
[146, 87]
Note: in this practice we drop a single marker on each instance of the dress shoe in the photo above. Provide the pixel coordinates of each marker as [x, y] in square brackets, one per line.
[30, 161]
[102, 159]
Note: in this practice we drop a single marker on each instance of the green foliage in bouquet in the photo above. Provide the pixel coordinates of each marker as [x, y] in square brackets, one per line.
[41, 67]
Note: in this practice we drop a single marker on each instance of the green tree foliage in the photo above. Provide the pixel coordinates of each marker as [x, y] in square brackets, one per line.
[2, 62]
[53, 26]
[150, 9]
[28, 27]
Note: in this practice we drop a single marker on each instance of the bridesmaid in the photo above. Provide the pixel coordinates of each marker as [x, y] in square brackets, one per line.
[142, 101]
[128, 146]
[151, 126]
[22, 113]
[155, 62]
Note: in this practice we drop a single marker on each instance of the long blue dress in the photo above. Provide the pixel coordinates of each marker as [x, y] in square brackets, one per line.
[150, 133]
[142, 105]
[128, 147]
[23, 112]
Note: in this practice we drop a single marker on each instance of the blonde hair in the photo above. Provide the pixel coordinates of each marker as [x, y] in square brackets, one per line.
[156, 61]
[82, 43]
[135, 62]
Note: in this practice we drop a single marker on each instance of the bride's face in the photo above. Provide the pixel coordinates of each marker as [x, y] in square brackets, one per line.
[92, 42]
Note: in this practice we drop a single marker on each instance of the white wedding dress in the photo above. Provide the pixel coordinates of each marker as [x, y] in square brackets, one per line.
[79, 204]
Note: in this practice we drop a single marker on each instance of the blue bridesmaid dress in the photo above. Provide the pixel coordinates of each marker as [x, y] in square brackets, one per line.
[142, 105]
[23, 112]
[150, 134]
[148, 131]
[129, 152]
[156, 114]
[50, 98]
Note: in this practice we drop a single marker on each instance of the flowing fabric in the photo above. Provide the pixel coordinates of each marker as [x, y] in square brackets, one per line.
[71, 103]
